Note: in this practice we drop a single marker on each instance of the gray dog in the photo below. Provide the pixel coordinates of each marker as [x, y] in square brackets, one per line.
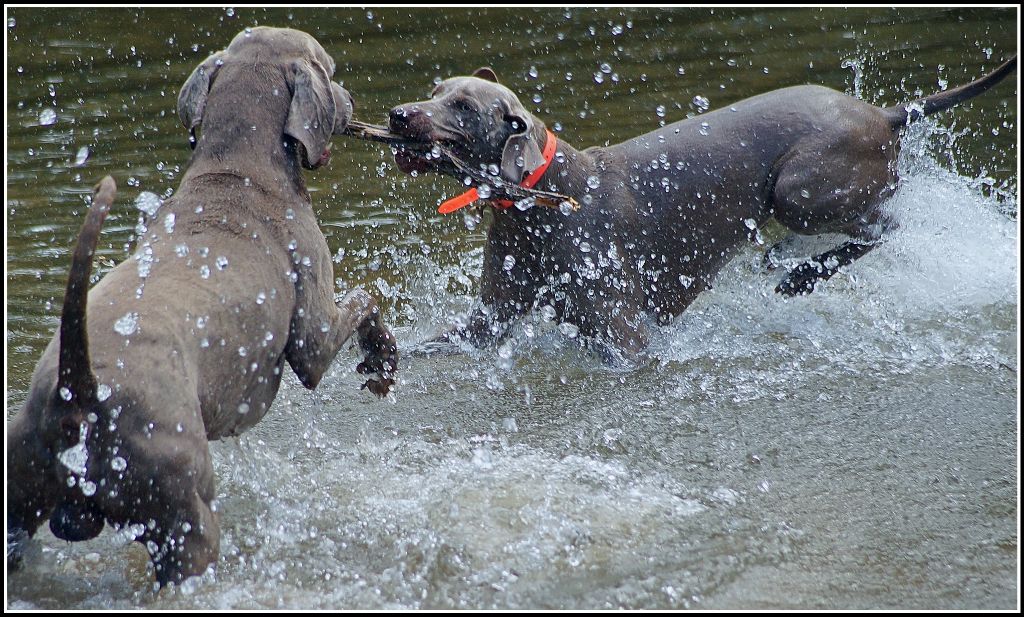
[187, 341]
[660, 214]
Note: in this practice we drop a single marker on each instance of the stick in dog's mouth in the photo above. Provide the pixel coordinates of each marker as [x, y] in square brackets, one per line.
[374, 132]
[447, 162]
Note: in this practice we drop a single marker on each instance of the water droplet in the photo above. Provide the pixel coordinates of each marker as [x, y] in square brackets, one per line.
[593, 182]
[127, 324]
[509, 263]
[243, 408]
[750, 223]
[169, 223]
[47, 117]
[606, 68]
[484, 191]
[204, 271]
[701, 103]
[148, 202]
[82, 156]
[103, 392]
[660, 110]
[118, 464]
[75, 458]
[568, 329]
[505, 350]
[88, 488]
[533, 72]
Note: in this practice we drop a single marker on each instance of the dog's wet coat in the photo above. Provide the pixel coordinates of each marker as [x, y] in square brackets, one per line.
[188, 340]
[662, 213]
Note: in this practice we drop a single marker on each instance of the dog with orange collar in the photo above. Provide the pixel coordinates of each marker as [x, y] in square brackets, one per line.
[662, 213]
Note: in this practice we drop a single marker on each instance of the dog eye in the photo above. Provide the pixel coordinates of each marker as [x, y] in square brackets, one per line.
[464, 105]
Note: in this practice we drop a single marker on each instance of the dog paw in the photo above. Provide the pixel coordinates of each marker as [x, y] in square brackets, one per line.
[380, 360]
[801, 280]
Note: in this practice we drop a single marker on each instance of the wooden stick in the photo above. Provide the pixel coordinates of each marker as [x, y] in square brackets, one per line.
[451, 164]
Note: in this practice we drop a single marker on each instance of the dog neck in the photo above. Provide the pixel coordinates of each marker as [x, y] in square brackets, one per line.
[569, 171]
[564, 166]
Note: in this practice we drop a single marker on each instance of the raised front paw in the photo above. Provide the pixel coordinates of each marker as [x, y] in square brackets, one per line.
[380, 360]
[801, 280]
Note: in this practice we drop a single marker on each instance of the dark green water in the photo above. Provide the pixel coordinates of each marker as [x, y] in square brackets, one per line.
[854, 449]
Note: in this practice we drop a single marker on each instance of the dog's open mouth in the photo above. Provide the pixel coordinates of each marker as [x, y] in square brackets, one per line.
[416, 158]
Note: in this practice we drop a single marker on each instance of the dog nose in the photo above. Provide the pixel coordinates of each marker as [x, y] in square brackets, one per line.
[404, 117]
[398, 117]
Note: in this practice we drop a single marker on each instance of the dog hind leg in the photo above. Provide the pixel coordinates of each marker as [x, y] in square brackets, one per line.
[839, 188]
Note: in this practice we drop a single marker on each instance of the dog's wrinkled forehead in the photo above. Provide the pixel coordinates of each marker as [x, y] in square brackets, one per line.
[481, 90]
[267, 42]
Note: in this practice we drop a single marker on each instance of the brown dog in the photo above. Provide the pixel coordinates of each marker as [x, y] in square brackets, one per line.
[661, 213]
[187, 341]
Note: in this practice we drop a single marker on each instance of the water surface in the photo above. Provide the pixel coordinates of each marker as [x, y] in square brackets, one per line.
[853, 449]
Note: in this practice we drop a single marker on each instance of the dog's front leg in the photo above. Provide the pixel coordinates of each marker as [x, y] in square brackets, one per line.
[311, 349]
[622, 339]
[482, 327]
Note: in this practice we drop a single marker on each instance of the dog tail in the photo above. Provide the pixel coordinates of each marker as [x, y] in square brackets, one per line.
[899, 116]
[76, 383]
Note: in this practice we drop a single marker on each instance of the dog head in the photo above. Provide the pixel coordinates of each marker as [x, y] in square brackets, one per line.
[479, 119]
[256, 64]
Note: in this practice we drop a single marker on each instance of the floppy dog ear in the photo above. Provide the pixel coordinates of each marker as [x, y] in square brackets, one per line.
[311, 116]
[192, 98]
[486, 72]
[345, 105]
[521, 154]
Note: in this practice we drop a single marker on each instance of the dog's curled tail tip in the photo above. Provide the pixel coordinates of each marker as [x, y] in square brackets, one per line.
[104, 191]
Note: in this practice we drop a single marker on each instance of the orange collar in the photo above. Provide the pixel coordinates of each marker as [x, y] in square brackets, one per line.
[463, 200]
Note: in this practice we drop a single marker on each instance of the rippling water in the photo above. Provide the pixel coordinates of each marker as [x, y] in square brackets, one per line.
[852, 449]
